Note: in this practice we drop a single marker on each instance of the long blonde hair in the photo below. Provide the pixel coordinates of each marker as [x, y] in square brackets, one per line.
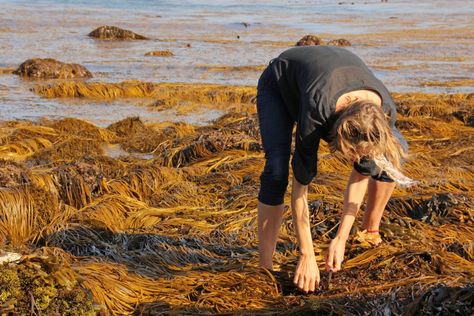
[363, 130]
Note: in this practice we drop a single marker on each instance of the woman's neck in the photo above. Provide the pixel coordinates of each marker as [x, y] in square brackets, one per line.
[357, 95]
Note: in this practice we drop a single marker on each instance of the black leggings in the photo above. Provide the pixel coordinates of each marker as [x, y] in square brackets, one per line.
[276, 127]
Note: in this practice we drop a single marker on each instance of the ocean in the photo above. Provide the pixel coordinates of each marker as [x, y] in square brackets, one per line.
[422, 46]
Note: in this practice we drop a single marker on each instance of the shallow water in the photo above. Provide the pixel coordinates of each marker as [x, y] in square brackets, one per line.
[406, 43]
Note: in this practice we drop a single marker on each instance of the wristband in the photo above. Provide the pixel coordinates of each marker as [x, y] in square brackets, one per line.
[375, 231]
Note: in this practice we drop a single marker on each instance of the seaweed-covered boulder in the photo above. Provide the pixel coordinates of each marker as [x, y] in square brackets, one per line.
[339, 42]
[309, 40]
[48, 68]
[128, 127]
[115, 33]
[13, 174]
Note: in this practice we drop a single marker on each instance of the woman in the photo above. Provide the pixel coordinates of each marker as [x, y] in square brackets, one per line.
[330, 94]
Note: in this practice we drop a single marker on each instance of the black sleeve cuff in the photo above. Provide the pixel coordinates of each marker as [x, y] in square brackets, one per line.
[367, 167]
[299, 171]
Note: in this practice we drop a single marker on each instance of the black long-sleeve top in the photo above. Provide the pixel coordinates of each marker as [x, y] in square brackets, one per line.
[310, 80]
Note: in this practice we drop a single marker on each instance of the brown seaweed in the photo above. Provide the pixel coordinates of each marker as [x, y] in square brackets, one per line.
[176, 233]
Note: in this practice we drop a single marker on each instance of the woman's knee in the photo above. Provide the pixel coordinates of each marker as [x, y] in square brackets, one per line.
[272, 191]
[274, 181]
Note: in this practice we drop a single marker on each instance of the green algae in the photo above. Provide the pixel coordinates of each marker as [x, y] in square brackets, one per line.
[29, 288]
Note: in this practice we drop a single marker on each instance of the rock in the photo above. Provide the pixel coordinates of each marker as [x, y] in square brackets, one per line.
[115, 33]
[160, 53]
[309, 40]
[13, 174]
[339, 42]
[49, 68]
[7, 257]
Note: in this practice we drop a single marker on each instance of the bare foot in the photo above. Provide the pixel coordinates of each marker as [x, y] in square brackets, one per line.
[368, 239]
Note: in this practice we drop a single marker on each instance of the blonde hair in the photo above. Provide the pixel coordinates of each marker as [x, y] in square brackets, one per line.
[363, 130]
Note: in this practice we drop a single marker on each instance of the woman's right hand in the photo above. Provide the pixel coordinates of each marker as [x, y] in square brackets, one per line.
[307, 274]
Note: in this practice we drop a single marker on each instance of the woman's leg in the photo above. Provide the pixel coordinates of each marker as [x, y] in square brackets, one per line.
[269, 222]
[381, 187]
[276, 128]
[379, 194]
[273, 183]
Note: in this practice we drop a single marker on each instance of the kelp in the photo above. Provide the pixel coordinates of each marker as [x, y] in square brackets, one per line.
[182, 98]
[169, 225]
[160, 53]
[169, 93]
[226, 69]
[7, 71]
[451, 83]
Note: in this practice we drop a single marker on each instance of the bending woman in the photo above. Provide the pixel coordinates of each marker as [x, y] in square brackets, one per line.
[330, 94]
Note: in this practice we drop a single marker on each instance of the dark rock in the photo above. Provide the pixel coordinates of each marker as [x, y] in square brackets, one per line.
[309, 40]
[115, 33]
[49, 68]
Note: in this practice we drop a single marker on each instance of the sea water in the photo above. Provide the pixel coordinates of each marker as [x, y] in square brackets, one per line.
[406, 44]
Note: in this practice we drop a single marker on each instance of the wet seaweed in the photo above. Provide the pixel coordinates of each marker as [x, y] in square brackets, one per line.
[177, 92]
[175, 232]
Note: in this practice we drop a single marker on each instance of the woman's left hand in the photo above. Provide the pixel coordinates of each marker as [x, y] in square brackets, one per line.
[335, 254]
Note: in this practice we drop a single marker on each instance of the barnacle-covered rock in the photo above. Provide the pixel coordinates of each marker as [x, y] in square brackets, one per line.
[339, 42]
[48, 68]
[107, 32]
[309, 40]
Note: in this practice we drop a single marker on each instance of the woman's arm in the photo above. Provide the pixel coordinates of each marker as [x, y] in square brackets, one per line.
[353, 197]
[307, 272]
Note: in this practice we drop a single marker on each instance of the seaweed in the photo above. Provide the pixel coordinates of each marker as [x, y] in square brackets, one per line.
[173, 231]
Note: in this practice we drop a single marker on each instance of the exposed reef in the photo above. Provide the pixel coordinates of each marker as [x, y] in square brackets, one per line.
[107, 32]
[48, 68]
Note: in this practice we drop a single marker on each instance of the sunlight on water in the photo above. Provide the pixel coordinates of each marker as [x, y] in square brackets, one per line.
[405, 43]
